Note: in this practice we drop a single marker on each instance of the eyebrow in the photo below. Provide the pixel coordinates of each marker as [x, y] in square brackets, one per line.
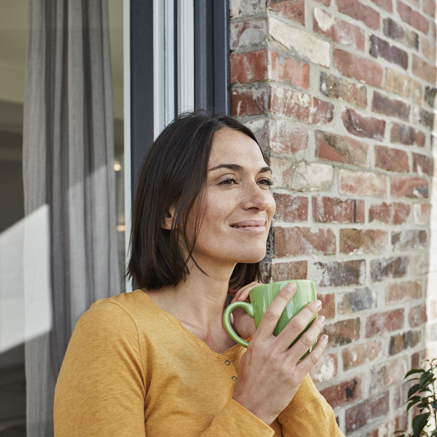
[238, 167]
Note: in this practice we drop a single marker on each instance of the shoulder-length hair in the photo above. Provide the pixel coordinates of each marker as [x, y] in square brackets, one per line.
[174, 172]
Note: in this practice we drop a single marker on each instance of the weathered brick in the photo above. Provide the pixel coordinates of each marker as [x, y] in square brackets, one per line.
[246, 67]
[386, 374]
[422, 213]
[395, 31]
[419, 264]
[284, 69]
[409, 186]
[248, 101]
[424, 117]
[358, 11]
[302, 107]
[247, 34]
[359, 241]
[364, 70]
[362, 183]
[289, 270]
[367, 411]
[291, 9]
[343, 332]
[242, 8]
[338, 274]
[385, 268]
[299, 241]
[384, 4]
[259, 126]
[338, 88]
[360, 126]
[380, 48]
[388, 428]
[382, 213]
[423, 164]
[378, 323]
[400, 342]
[334, 210]
[431, 331]
[396, 292]
[358, 354]
[422, 69]
[429, 97]
[287, 137]
[429, 7]
[406, 135]
[357, 300]
[412, 17]
[417, 317]
[417, 358]
[391, 159]
[428, 49]
[402, 84]
[331, 147]
[337, 30]
[290, 208]
[328, 302]
[409, 239]
[343, 392]
[390, 107]
[326, 368]
[401, 212]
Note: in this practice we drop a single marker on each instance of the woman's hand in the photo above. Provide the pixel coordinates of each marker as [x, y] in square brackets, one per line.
[270, 372]
[243, 324]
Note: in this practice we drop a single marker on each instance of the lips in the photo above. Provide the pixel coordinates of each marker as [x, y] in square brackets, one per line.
[250, 225]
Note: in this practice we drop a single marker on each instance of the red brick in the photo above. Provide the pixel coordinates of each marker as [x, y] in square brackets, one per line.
[386, 374]
[290, 270]
[382, 213]
[390, 107]
[396, 292]
[419, 264]
[358, 354]
[395, 31]
[248, 102]
[360, 126]
[417, 358]
[338, 274]
[338, 30]
[422, 213]
[247, 34]
[424, 70]
[282, 69]
[328, 302]
[378, 323]
[391, 159]
[429, 7]
[409, 239]
[358, 11]
[409, 186]
[362, 183]
[384, 4]
[343, 332]
[326, 368]
[400, 342]
[291, 9]
[367, 411]
[402, 84]
[385, 268]
[302, 107]
[417, 316]
[364, 70]
[344, 392]
[423, 164]
[334, 210]
[338, 88]
[424, 117]
[358, 241]
[290, 208]
[288, 137]
[388, 429]
[406, 135]
[401, 212]
[380, 48]
[428, 48]
[247, 67]
[300, 241]
[412, 17]
[331, 147]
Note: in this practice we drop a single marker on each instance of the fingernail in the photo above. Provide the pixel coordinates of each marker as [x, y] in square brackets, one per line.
[324, 338]
[321, 320]
[291, 286]
[318, 304]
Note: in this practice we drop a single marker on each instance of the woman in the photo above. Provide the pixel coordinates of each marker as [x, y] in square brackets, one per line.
[158, 361]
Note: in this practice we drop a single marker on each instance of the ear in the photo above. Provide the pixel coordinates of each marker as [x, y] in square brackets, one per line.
[167, 220]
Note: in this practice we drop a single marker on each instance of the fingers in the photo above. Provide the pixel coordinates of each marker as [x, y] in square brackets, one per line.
[243, 293]
[314, 356]
[274, 311]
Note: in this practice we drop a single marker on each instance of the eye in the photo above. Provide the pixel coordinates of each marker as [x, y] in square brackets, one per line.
[266, 182]
[229, 181]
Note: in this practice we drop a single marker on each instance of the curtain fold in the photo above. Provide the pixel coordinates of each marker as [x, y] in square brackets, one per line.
[69, 186]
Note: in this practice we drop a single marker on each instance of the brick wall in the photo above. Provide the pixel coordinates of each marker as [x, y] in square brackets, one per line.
[341, 94]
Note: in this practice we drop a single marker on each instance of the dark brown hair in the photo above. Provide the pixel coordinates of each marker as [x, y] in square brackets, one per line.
[174, 172]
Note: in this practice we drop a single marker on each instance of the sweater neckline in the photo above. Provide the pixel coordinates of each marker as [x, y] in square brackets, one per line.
[232, 352]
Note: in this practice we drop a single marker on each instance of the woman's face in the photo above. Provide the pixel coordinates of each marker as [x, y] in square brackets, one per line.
[238, 204]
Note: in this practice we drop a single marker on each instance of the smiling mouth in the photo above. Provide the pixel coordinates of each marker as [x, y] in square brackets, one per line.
[250, 225]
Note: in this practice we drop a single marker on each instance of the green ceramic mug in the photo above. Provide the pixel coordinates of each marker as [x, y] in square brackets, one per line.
[262, 296]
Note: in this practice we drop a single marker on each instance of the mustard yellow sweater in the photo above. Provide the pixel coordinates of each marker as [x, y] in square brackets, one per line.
[132, 369]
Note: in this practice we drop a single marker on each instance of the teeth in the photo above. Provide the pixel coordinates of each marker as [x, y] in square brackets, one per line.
[233, 226]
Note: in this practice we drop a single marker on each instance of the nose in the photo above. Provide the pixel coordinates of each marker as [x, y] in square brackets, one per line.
[256, 197]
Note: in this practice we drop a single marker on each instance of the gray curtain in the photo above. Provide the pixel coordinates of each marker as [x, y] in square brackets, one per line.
[68, 155]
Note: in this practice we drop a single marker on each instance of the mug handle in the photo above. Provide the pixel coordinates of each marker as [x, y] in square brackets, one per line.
[227, 320]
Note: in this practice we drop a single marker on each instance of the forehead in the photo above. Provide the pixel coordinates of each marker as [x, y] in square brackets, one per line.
[234, 147]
